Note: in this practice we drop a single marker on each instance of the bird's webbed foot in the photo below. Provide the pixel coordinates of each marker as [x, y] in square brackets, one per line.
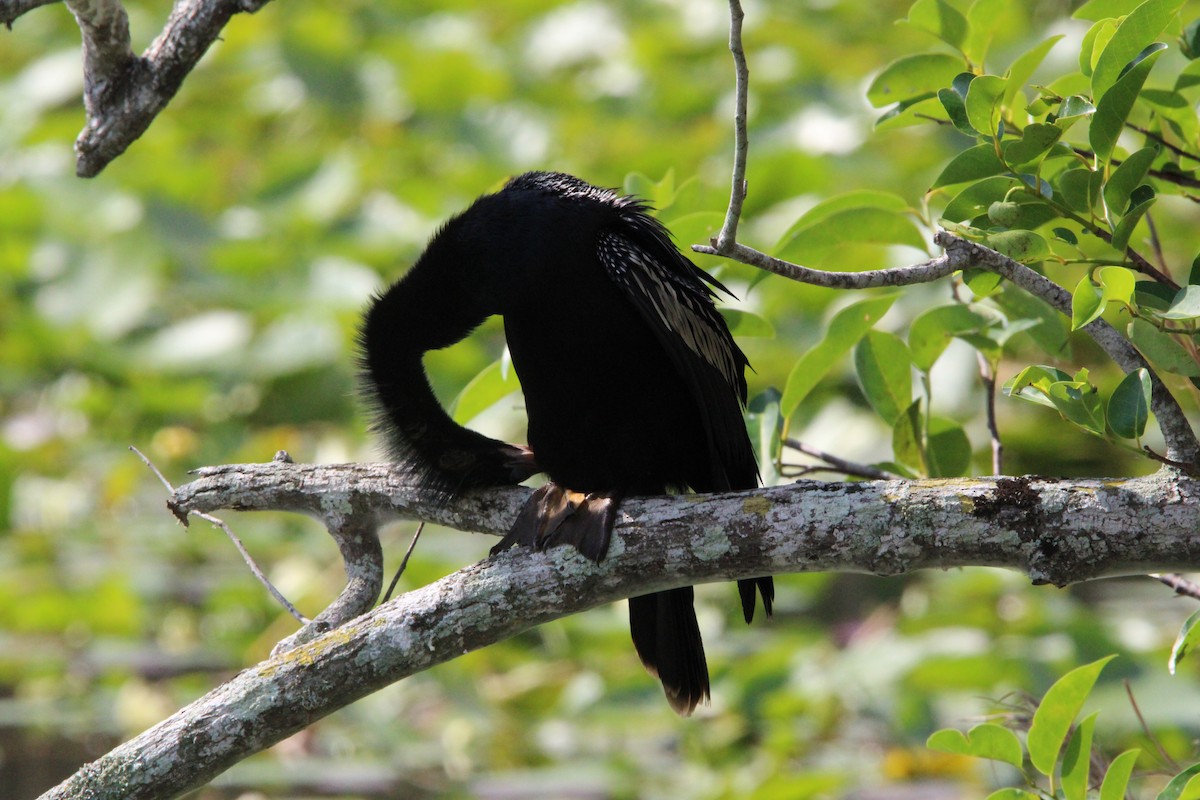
[554, 515]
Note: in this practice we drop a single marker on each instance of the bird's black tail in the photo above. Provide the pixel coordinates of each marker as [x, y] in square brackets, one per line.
[667, 640]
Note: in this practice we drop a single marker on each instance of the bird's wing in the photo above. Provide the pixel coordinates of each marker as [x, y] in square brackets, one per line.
[670, 293]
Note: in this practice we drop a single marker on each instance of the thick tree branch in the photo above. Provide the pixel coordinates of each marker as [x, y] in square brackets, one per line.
[122, 92]
[1056, 531]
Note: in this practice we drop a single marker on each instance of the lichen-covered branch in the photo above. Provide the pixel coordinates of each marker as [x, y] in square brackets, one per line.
[1056, 531]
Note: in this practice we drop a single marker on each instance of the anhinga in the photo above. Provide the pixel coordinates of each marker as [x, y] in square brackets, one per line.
[633, 384]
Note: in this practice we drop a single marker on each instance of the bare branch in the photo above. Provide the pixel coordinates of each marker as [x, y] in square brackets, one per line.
[107, 57]
[924, 272]
[1055, 531]
[1179, 584]
[838, 463]
[741, 139]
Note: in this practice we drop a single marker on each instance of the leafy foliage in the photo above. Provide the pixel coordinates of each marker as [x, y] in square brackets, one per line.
[200, 299]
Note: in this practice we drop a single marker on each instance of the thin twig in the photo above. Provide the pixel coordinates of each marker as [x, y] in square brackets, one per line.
[403, 563]
[1181, 585]
[737, 191]
[989, 387]
[1156, 243]
[250, 562]
[1162, 753]
[840, 464]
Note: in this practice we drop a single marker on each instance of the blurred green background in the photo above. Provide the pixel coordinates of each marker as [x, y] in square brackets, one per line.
[199, 300]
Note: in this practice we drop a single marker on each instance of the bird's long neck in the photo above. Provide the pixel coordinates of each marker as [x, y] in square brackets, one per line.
[415, 315]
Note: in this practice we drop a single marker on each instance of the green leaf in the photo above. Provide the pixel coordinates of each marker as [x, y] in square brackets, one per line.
[1113, 109]
[1077, 760]
[907, 446]
[846, 328]
[747, 323]
[982, 282]
[1033, 384]
[822, 244]
[884, 369]
[940, 19]
[1052, 332]
[971, 164]
[1023, 68]
[983, 103]
[1066, 235]
[1135, 32]
[1185, 641]
[1189, 40]
[1119, 284]
[1129, 405]
[1081, 188]
[1125, 179]
[1024, 246]
[847, 201]
[1094, 10]
[931, 332]
[1116, 780]
[987, 740]
[949, 450]
[1182, 786]
[1087, 303]
[491, 385]
[1163, 350]
[956, 110]
[975, 199]
[1080, 403]
[981, 26]
[1057, 712]
[1036, 140]
[1124, 228]
[1012, 794]
[1073, 108]
[1186, 304]
[915, 111]
[765, 425]
[911, 76]
[1094, 42]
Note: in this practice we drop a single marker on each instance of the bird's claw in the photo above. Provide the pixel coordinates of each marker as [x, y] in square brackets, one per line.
[554, 515]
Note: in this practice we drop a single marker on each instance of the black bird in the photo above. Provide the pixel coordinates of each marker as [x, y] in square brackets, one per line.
[633, 384]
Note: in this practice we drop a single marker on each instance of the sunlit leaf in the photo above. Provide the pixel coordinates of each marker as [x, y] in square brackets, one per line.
[1185, 305]
[1160, 348]
[907, 445]
[1113, 109]
[1125, 178]
[1056, 713]
[1023, 67]
[983, 103]
[986, 740]
[1024, 246]
[846, 328]
[1184, 786]
[1185, 641]
[1124, 229]
[884, 369]
[940, 19]
[1136, 31]
[931, 332]
[949, 450]
[1077, 760]
[911, 76]
[1087, 303]
[971, 164]
[1116, 779]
